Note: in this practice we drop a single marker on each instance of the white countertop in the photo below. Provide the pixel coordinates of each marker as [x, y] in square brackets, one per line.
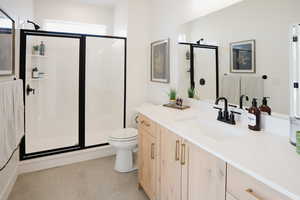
[267, 157]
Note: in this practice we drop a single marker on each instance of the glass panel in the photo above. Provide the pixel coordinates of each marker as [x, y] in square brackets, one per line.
[52, 82]
[104, 88]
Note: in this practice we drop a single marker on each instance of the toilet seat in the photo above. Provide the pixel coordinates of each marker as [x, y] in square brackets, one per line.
[124, 135]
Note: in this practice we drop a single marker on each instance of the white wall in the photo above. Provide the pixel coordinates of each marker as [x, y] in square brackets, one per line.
[269, 23]
[127, 17]
[74, 11]
[138, 49]
[166, 18]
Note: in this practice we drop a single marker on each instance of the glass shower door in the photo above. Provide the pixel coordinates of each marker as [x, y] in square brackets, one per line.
[105, 88]
[51, 92]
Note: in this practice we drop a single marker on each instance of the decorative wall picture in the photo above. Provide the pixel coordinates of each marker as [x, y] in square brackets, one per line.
[160, 68]
[242, 57]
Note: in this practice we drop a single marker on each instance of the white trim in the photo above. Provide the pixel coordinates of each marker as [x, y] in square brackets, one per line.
[64, 159]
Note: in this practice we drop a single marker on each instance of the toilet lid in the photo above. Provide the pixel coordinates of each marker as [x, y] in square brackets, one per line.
[124, 134]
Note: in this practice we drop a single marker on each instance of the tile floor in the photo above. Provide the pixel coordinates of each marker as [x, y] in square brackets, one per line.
[89, 180]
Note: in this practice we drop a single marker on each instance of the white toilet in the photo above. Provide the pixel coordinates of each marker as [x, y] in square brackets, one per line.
[124, 141]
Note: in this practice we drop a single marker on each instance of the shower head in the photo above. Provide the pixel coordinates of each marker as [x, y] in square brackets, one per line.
[199, 41]
[36, 27]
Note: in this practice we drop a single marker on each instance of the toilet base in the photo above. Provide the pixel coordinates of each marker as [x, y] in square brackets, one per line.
[124, 161]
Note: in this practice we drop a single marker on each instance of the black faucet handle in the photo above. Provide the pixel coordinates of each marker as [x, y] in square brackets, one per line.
[220, 115]
[217, 108]
[234, 112]
[231, 116]
[233, 106]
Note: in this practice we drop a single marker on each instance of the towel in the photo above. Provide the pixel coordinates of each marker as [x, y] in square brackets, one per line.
[253, 87]
[11, 118]
[230, 88]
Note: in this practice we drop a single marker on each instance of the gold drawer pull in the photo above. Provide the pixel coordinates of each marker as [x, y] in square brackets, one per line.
[251, 192]
[144, 122]
[152, 151]
[177, 150]
[182, 154]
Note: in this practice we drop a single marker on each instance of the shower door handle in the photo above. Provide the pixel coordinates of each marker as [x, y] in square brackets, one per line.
[29, 90]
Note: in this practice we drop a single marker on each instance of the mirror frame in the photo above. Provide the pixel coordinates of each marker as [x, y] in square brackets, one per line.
[13, 45]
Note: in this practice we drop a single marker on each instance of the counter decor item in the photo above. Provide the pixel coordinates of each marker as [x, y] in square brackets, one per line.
[242, 57]
[160, 68]
[175, 106]
[191, 93]
[172, 96]
[298, 141]
[254, 116]
[264, 108]
[179, 101]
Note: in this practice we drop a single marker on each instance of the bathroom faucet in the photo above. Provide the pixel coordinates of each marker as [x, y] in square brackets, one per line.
[241, 100]
[224, 116]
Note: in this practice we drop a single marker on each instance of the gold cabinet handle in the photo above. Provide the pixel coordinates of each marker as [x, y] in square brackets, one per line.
[182, 154]
[152, 151]
[177, 150]
[251, 192]
[146, 124]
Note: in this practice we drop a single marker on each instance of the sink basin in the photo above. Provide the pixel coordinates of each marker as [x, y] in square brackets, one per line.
[215, 130]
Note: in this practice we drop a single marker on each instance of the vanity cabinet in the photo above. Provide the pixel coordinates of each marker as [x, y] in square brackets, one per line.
[171, 165]
[205, 175]
[148, 156]
[171, 168]
[188, 172]
[244, 187]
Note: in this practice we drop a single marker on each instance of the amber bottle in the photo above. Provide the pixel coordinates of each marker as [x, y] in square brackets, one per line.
[264, 108]
[254, 116]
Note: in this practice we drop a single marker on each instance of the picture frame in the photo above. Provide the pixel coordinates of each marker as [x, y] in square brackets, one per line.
[160, 61]
[242, 57]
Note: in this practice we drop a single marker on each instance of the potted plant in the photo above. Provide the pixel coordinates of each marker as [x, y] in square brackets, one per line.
[191, 96]
[35, 50]
[191, 93]
[172, 96]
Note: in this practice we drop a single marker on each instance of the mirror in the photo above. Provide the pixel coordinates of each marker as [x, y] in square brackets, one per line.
[7, 44]
[254, 39]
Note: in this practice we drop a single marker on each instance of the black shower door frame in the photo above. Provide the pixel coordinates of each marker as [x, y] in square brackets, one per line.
[81, 97]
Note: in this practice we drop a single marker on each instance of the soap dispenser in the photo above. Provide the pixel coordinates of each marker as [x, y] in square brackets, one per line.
[264, 108]
[254, 116]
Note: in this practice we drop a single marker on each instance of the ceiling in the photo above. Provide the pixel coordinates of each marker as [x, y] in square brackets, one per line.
[99, 2]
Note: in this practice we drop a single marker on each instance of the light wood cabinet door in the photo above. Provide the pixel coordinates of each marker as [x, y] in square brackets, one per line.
[170, 178]
[205, 176]
[147, 163]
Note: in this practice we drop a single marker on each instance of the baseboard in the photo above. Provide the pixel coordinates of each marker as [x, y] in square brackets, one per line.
[10, 183]
[64, 159]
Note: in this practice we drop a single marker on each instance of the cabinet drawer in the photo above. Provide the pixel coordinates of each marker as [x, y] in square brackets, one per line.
[244, 187]
[147, 124]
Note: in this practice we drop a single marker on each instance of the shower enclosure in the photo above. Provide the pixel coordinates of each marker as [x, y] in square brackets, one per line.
[74, 90]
